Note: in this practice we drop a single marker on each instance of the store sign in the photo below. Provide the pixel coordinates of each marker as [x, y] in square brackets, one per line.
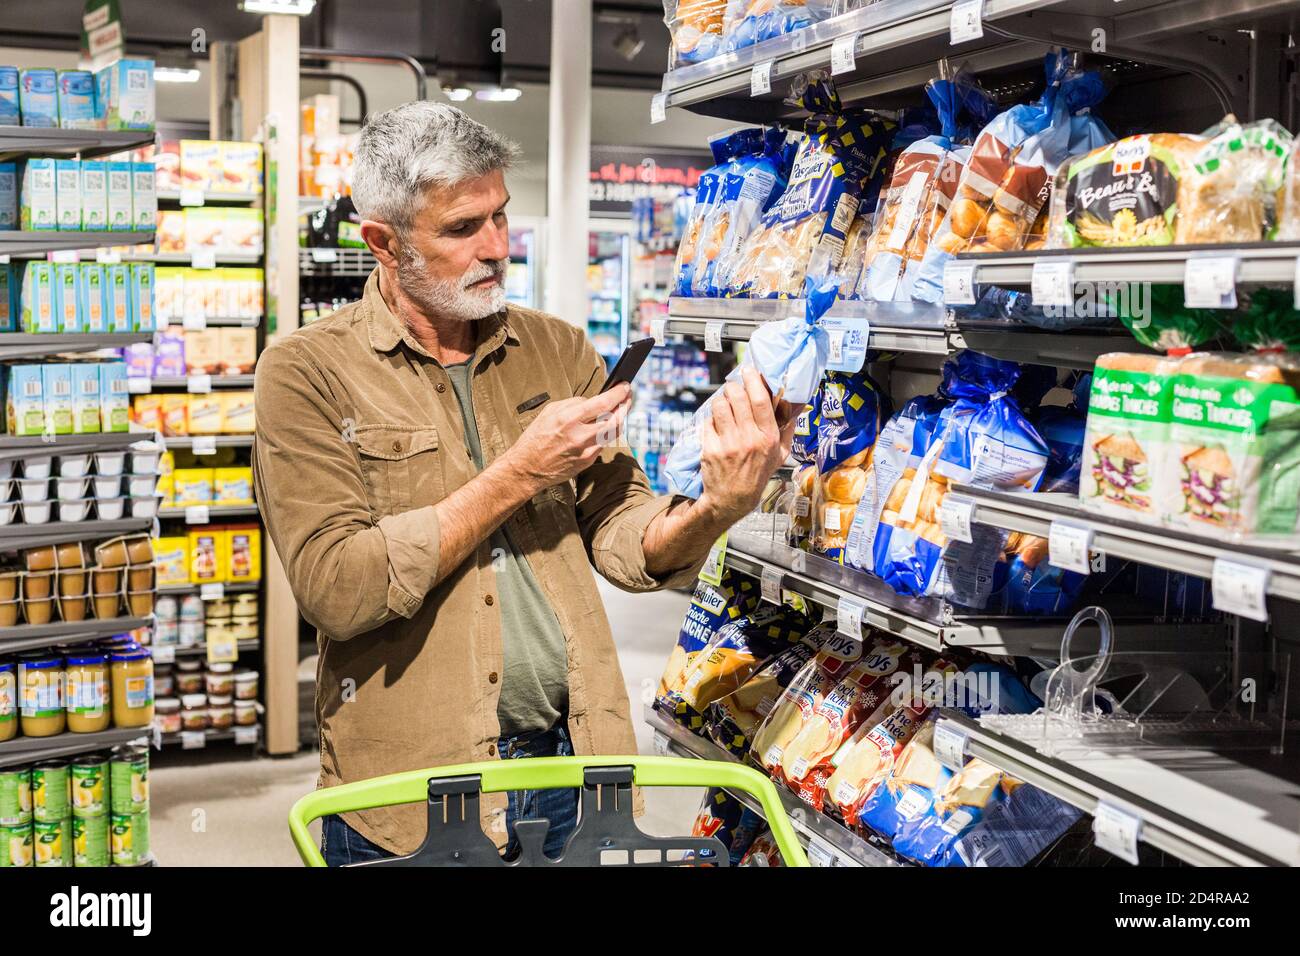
[102, 40]
[620, 174]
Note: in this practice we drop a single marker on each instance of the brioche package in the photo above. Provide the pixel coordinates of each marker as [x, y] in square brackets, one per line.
[803, 450]
[725, 147]
[851, 409]
[696, 28]
[730, 822]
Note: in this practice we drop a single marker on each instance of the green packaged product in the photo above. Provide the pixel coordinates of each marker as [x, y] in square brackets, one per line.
[1167, 325]
[51, 791]
[90, 841]
[1269, 323]
[129, 780]
[16, 845]
[15, 796]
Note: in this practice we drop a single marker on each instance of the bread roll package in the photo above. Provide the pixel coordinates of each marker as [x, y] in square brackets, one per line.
[695, 27]
[1230, 194]
[851, 410]
[730, 822]
[908, 788]
[725, 147]
[752, 21]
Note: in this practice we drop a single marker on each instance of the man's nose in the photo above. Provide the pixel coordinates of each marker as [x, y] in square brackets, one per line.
[496, 242]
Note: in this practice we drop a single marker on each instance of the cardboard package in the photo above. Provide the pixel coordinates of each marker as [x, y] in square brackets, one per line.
[85, 398]
[94, 195]
[38, 97]
[125, 95]
[67, 194]
[114, 399]
[8, 195]
[144, 197]
[25, 402]
[56, 385]
[244, 551]
[37, 206]
[120, 214]
[76, 94]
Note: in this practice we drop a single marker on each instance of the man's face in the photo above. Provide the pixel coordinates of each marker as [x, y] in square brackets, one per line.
[453, 261]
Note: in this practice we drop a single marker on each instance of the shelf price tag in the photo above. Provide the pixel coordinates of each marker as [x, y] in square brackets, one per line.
[1052, 282]
[108, 257]
[949, 745]
[1068, 546]
[65, 255]
[967, 21]
[658, 108]
[138, 385]
[324, 255]
[4, 258]
[959, 283]
[844, 55]
[193, 739]
[661, 743]
[659, 330]
[955, 517]
[848, 616]
[196, 514]
[203, 259]
[711, 573]
[1210, 282]
[1239, 589]
[195, 322]
[760, 78]
[191, 197]
[820, 853]
[770, 584]
[245, 735]
[212, 591]
[198, 384]
[1116, 831]
[205, 445]
[713, 336]
[162, 653]
[223, 651]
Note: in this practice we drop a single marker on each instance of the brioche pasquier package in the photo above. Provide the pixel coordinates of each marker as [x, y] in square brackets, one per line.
[850, 421]
[725, 148]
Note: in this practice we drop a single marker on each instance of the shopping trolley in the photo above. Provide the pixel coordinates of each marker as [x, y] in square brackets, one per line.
[606, 833]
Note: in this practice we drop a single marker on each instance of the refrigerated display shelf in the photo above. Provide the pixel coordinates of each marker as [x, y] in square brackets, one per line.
[1132, 541]
[26, 637]
[20, 345]
[17, 537]
[1202, 807]
[841, 845]
[83, 143]
[16, 446]
[220, 441]
[23, 750]
[37, 242]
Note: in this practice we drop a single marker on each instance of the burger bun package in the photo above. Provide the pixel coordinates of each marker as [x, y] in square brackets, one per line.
[850, 419]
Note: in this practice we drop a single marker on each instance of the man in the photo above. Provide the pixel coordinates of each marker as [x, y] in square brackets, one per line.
[439, 472]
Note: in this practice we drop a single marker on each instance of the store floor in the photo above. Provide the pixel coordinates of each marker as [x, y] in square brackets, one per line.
[218, 808]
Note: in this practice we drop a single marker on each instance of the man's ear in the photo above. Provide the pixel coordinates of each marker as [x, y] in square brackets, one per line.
[382, 240]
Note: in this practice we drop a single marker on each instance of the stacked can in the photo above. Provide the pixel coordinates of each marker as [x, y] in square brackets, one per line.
[52, 813]
[129, 800]
[16, 833]
[90, 805]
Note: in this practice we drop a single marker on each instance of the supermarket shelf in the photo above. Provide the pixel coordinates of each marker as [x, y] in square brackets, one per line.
[242, 587]
[85, 143]
[201, 650]
[215, 512]
[26, 637]
[17, 242]
[218, 381]
[349, 261]
[17, 537]
[1017, 342]
[849, 849]
[220, 441]
[18, 345]
[211, 736]
[1202, 807]
[15, 446]
[218, 320]
[1159, 547]
[931, 622]
[23, 750]
[187, 258]
[173, 195]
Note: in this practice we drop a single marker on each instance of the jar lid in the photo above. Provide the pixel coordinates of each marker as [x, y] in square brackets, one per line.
[88, 657]
[190, 701]
[245, 677]
[39, 661]
[246, 704]
[221, 667]
[166, 705]
[90, 760]
[219, 700]
[133, 653]
[188, 666]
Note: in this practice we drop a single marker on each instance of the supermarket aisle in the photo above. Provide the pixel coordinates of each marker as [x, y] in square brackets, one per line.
[214, 808]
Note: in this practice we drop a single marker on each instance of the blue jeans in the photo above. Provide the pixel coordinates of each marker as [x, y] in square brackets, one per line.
[340, 844]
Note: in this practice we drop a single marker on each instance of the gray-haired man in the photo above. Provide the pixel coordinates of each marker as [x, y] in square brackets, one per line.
[436, 473]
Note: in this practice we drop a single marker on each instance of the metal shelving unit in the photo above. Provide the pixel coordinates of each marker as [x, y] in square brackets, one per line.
[213, 736]
[217, 381]
[243, 587]
[15, 446]
[220, 441]
[213, 321]
[22, 345]
[18, 537]
[22, 750]
[336, 262]
[83, 143]
[187, 258]
[215, 512]
[28, 637]
[167, 653]
[223, 199]
[35, 243]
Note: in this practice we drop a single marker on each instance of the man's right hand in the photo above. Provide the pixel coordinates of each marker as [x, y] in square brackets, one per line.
[567, 436]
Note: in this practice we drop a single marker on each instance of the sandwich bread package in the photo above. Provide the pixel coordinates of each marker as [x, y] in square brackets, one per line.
[790, 354]
[851, 409]
[1231, 195]
[729, 821]
[725, 147]
[695, 27]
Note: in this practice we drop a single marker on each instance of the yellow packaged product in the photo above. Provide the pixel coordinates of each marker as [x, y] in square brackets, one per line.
[171, 558]
[232, 486]
[237, 413]
[244, 553]
[205, 414]
[193, 486]
[209, 555]
[175, 415]
[166, 489]
[146, 411]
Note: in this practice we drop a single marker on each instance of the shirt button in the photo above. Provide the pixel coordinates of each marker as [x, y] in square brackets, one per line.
[487, 599]
[440, 387]
[492, 678]
[397, 446]
[492, 750]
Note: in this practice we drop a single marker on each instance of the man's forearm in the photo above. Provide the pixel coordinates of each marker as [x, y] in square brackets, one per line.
[472, 512]
[682, 535]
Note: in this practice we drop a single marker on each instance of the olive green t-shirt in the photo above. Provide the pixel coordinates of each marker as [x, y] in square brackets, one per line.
[535, 682]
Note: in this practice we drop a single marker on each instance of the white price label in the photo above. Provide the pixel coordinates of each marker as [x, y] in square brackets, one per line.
[203, 259]
[161, 322]
[191, 197]
[108, 257]
[949, 745]
[1239, 589]
[713, 336]
[844, 55]
[204, 445]
[661, 743]
[155, 737]
[820, 853]
[1116, 831]
[196, 514]
[1052, 282]
[4, 259]
[1068, 546]
[959, 283]
[1210, 282]
[967, 21]
[658, 108]
[193, 739]
[760, 79]
[65, 255]
[659, 330]
[138, 385]
[802, 507]
[212, 591]
[195, 323]
[714, 564]
[324, 255]
[848, 616]
[770, 585]
[162, 653]
[245, 735]
[837, 346]
[198, 384]
[955, 517]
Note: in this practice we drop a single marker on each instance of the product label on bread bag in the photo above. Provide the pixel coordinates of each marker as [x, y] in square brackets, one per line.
[1125, 194]
[1125, 441]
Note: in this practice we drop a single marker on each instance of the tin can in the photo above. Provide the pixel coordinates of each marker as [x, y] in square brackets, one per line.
[16, 845]
[129, 780]
[89, 785]
[51, 791]
[90, 841]
[15, 796]
[49, 843]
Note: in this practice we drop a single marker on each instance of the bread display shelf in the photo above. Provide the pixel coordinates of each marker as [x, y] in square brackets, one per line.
[25, 750]
[33, 243]
[1159, 547]
[28, 637]
[1202, 807]
[843, 846]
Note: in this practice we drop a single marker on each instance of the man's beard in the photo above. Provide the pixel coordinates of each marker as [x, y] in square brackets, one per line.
[452, 298]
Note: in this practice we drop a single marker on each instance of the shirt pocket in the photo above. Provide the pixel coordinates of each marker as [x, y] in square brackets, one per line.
[401, 467]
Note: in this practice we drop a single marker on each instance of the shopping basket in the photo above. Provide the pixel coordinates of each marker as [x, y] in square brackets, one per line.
[606, 834]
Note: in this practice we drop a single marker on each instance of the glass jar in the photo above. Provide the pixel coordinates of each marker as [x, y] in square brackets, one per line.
[132, 693]
[86, 691]
[220, 680]
[194, 712]
[8, 700]
[40, 680]
[246, 685]
[167, 715]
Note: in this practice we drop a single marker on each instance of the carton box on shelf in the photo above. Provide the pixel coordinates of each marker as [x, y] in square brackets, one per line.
[244, 547]
[240, 169]
[209, 555]
[144, 197]
[121, 215]
[10, 114]
[56, 385]
[114, 399]
[142, 296]
[204, 229]
[238, 351]
[9, 305]
[25, 400]
[94, 195]
[8, 195]
[67, 194]
[203, 352]
[169, 294]
[38, 97]
[169, 353]
[139, 359]
[232, 486]
[125, 95]
[85, 398]
[67, 297]
[204, 414]
[237, 413]
[38, 298]
[38, 208]
[166, 490]
[175, 410]
[77, 108]
[171, 558]
[171, 231]
[167, 164]
[146, 411]
[193, 486]
[94, 301]
[241, 232]
[200, 164]
[117, 287]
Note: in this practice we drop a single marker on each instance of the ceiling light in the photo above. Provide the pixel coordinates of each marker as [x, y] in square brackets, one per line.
[298, 8]
[502, 94]
[629, 43]
[175, 74]
[457, 94]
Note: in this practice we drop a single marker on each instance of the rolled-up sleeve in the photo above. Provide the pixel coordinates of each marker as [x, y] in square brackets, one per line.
[615, 504]
[348, 573]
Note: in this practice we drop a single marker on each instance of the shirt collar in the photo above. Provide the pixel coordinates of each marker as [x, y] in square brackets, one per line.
[387, 330]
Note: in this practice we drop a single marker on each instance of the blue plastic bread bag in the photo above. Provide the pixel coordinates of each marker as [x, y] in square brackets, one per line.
[725, 147]
[752, 21]
[908, 790]
[728, 820]
[789, 354]
[748, 187]
[851, 410]
[696, 28]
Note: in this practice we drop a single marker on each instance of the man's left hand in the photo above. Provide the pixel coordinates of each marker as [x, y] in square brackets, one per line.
[741, 445]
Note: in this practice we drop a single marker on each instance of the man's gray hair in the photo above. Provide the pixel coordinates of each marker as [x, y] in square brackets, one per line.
[404, 151]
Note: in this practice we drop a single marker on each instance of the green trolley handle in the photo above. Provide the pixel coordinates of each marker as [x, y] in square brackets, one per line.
[542, 773]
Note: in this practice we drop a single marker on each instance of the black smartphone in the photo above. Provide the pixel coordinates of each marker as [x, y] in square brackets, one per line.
[629, 363]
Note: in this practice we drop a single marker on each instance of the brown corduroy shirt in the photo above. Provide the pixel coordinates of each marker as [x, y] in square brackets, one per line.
[359, 435]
